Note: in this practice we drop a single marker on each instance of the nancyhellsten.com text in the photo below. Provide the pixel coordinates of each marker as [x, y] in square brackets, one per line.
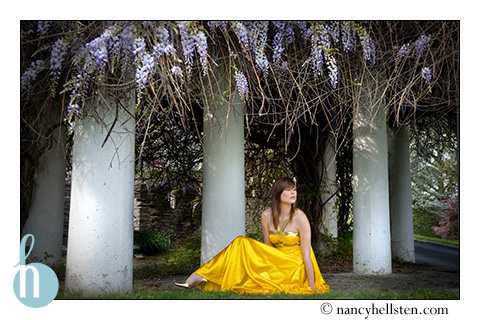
[384, 309]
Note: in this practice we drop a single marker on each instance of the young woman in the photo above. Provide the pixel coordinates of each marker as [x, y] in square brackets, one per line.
[284, 263]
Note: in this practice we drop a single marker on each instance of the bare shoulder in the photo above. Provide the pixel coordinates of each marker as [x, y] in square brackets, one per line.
[300, 216]
[266, 214]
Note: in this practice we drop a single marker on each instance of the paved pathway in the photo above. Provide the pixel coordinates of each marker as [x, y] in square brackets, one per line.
[444, 256]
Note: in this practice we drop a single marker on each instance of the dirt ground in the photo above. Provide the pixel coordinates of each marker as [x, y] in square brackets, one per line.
[339, 275]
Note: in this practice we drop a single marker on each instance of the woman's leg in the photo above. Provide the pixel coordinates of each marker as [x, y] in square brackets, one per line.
[194, 279]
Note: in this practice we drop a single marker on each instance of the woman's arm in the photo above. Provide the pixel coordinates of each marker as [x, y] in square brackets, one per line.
[305, 242]
[265, 226]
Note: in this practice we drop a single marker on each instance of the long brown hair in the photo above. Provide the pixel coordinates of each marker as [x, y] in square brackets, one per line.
[277, 189]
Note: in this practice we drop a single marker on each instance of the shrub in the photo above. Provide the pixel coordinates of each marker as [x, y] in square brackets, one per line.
[193, 247]
[153, 242]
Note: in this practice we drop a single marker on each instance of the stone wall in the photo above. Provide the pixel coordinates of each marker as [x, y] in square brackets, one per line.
[175, 213]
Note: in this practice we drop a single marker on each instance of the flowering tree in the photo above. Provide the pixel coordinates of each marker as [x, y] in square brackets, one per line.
[448, 227]
[298, 79]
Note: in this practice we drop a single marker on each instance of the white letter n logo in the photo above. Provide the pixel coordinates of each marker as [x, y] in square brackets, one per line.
[35, 282]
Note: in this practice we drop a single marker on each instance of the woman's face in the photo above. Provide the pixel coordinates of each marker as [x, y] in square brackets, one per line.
[289, 195]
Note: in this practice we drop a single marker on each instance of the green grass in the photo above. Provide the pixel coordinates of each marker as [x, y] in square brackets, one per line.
[446, 241]
[195, 294]
[180, 261]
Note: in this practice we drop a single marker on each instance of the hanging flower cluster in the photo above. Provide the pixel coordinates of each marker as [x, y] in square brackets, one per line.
[242, 84]
[164, 45]
[59, 51]
[185, 45]
[427, 74]
[420, 46]
[193, 39]
[30, 74]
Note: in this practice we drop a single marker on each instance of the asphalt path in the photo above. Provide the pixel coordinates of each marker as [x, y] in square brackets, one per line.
[437, 255]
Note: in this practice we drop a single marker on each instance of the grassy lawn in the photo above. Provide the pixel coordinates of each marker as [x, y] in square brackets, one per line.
[179, 262]
[196, 294]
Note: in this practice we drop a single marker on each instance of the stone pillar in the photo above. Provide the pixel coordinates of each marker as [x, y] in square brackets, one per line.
[47, 210]
[223, 195]
[100, 239]
[401, 213]
[371, 217]
[329, 216]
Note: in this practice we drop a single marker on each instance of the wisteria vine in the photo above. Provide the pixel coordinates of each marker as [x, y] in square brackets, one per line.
[180, 50]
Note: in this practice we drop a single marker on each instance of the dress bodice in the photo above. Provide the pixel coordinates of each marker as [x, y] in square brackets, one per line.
[282, 239]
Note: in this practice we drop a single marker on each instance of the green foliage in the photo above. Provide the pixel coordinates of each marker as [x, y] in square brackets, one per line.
[343, 246]
[153, 242]
[430, 185]
[433, 171]
[178, 261]
[193, 247]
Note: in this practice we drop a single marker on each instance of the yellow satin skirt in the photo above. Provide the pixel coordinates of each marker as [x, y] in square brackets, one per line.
[247, 266]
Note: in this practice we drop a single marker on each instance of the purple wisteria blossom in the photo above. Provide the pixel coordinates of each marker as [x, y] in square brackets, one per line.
[369, 50]
[191, 40]
[143, 72]
[176, 71]
[242, 34]
[278, 47]
[242, 84]
[164, 46]
[333, 70]
[259, 40]
[421, 45]
[139, 47]
[43, 27]
[324, 36]
[188, 44]
[334, 29]
[72, 109]
[202, 47]
[220, 24]
[59, 50]
[317, 55]
[427, 74]
[79, 84]
[403, 52]
[31, 74]
[284, 36]
[97, 51]
[145, 61]
[127, 39]
[349, 38]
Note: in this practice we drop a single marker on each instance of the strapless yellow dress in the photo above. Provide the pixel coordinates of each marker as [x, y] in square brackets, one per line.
[248, 266]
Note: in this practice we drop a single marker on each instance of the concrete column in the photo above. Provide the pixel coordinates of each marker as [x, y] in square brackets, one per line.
[371, 217]
[329, 217]
[47, 210]
[401, 213]
[223, 196]
[100, 239]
